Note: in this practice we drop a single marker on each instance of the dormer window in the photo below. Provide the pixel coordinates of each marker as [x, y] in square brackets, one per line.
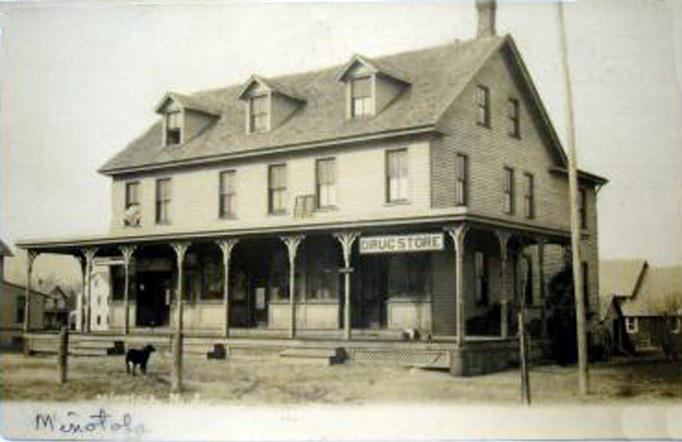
[361, 93]
[268, 104]
[370, 85]
[259, 115]
[184, 117]
[173, 128]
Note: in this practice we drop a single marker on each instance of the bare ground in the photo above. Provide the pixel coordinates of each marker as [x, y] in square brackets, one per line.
[268, 381]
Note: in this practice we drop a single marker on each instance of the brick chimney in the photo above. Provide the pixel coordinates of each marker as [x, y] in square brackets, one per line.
[486, 18]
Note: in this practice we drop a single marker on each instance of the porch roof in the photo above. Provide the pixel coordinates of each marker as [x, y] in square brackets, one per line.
[71, 246]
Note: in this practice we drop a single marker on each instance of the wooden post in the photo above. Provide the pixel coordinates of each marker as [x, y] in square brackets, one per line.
[226, 246]
[523, 356]
[127, 252]
[346, 239]
[89, 255]
[62, 359]
[292, 242]
[458, 235]
[543, 287]
[503, 238]
[581, 323]
[180, 249]
[30, 259]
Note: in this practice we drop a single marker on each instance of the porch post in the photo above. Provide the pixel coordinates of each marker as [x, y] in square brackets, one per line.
[226, 245]
[292, 242]
[180, 249]
[89, 255]
[543, 285]
[30, 259]
[346, 239]
[127, 252]
[503, 238]
[458, 234]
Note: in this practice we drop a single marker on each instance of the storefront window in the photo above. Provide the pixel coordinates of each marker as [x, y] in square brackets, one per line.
[408, 275]
[323, 274]
[117, 282]
[211, 276]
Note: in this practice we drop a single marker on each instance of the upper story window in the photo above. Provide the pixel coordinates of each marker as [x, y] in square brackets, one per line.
[132, 204]
[396, 176]
[582, 208]
[361, 96]
[462, 171]
[173, 128]
[508, 191]
[483, 106]
[277, 188]
[529, 196]
[163, 200]
[325, 176]
[259, 114]
[228, 194]
[513, 118]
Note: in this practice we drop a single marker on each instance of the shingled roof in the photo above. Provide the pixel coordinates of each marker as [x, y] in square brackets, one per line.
[660, 293]
[437, 76]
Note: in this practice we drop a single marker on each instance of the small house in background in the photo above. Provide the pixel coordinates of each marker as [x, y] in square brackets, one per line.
[99, 306]
[101, 290]
[57, 308]
[12, 307]
[642, 303]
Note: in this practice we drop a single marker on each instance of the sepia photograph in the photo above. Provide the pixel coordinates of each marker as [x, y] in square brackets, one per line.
[341, 220]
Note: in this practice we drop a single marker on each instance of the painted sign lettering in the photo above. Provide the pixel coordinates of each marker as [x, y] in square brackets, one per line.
[420, 242]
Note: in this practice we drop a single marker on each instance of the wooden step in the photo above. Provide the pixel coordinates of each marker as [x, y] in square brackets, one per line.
[79, 351]
[321, 356]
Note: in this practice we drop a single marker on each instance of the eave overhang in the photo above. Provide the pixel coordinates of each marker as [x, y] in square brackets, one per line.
[273, 150]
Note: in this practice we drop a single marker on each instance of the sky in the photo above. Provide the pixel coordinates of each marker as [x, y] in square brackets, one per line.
[81, 80]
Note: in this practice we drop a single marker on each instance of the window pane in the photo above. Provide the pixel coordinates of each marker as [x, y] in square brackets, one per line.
[362, 87]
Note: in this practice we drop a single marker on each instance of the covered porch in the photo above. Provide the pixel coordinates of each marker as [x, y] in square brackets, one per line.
[455, 285]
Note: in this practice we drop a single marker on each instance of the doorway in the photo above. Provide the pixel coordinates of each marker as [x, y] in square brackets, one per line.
[153, 298]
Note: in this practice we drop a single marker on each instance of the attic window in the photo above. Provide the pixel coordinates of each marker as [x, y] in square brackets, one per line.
[361, 96]
[173, 128]
[258, 114]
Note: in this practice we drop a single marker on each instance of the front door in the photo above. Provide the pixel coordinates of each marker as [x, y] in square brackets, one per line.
[153, 298]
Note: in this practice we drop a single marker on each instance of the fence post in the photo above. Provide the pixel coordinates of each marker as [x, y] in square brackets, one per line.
[63, 357]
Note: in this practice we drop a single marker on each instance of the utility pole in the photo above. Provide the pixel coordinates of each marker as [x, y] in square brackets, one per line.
[581, 327]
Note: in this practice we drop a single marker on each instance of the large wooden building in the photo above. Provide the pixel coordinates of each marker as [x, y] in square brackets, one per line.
[421, 194]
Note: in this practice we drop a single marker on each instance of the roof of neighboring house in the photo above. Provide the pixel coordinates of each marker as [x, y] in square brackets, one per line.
[660, 293]
[620, 277]
[434, 78]
[5, 250]
[19, 288]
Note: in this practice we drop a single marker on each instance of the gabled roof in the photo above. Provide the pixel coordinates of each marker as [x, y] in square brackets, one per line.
[375, 66]
[188, 102]
[437, 76]
[621, 277]
[5, 250]
[272, 85]
[660, 294]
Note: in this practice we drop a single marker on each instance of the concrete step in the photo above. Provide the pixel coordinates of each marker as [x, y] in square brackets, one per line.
[321, 356]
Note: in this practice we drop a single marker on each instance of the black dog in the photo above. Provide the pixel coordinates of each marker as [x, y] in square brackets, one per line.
[139, 357]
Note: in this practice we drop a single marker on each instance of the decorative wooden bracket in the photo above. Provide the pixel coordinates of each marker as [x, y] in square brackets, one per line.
[292, 242]
[347, 239]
